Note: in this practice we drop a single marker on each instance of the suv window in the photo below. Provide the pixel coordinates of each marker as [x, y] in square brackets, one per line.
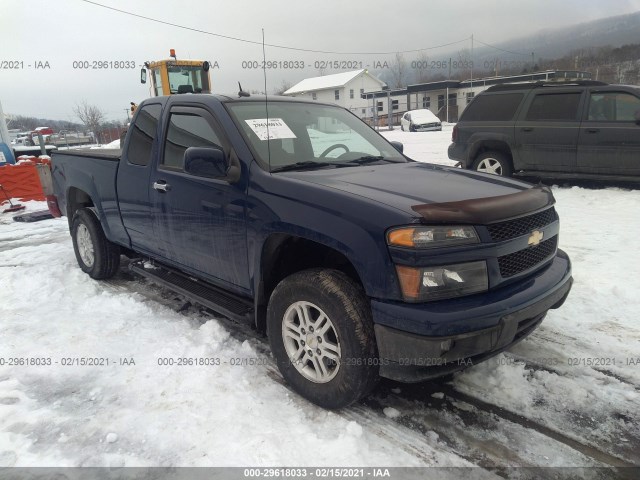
[497, 108]
[554, 106]
[613, 107]
[143, 134]
[187, 130]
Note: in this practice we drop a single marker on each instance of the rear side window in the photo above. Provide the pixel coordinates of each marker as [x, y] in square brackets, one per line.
[187, 130]
[496, 108]
[554, 106]
[613, 107]
[143, 134]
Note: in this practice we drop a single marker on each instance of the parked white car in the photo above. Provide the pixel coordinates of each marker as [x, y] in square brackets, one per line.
[420, 121]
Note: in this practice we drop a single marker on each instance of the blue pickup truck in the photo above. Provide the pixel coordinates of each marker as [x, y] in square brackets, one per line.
[297, 217]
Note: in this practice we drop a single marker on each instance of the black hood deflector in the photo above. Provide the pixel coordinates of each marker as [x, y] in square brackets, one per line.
[483, 211]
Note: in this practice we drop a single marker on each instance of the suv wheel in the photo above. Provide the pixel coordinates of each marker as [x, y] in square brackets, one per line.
[321, 335]
[495, 163]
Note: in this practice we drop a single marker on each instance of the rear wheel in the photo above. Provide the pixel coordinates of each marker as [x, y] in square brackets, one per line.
[495, 163]
[96, 255]
[321, 335]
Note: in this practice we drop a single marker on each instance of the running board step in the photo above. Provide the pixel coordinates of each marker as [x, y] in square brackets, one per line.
[210, 296]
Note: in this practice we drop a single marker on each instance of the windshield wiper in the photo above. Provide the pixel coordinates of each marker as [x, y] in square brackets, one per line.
[370, 159]
[303, 165]
[348, 163]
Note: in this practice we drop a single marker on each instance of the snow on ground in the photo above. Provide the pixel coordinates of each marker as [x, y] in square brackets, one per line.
[112, 145]
[152, 415]
[424, 146]
[144, 414]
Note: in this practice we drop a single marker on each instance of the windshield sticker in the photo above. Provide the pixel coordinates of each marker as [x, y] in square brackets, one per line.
[277, 128]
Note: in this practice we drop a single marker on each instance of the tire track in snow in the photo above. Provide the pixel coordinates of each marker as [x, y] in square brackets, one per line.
[406, 435]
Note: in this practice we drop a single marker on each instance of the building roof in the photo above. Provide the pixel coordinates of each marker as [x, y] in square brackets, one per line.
[384, 93]
[328, 81]
[550, 75]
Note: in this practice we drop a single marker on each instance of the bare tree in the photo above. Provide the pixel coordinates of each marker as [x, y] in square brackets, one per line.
[461, 68]
[90, 115]
[398, 70]
[422, 65]
[284, 86]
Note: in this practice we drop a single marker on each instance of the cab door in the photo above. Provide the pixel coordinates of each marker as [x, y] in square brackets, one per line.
[609, 142]
[200, 222]
[134, 172]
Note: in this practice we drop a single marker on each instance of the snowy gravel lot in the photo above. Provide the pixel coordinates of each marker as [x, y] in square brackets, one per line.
[569, 395]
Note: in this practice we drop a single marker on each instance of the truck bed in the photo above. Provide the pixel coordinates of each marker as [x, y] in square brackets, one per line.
[93, 172]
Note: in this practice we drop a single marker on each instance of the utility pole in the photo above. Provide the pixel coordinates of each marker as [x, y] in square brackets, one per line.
[447, 104]
[390, 110]
[128, 117]
[471, 64]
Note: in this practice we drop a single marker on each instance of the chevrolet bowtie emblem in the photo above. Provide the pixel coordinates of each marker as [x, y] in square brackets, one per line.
[535, 238]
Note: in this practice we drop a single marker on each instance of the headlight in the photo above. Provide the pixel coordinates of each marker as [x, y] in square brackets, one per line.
[428, 237]
[421, 284]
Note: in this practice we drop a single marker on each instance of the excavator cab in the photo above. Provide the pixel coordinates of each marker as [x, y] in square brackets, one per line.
[173, 76]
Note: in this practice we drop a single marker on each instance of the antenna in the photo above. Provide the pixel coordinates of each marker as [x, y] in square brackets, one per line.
[266, 102]
[242, 93]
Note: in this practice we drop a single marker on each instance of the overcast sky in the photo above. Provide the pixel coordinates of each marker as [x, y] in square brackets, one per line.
[74, 30]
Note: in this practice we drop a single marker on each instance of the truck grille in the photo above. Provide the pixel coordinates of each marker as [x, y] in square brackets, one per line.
[521, 226]
[522, 260]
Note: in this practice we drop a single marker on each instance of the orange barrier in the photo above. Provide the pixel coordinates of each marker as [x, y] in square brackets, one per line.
[22, 181]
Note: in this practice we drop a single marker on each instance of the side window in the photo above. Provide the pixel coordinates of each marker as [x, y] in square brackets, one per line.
[143, 134]
[554, 106]
[157, 80]
[613, 107]
[187, 130]
[493, 107]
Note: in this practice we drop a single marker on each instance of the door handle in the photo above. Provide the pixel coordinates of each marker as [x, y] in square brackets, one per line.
[161, 186]
[527, 129]
[593, 130]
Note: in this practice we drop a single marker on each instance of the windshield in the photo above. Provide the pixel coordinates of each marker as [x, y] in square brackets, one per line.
[303, 132]
[190, 78]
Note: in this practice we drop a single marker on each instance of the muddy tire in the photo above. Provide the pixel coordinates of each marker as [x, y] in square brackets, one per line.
[321, 335]
[96, 255]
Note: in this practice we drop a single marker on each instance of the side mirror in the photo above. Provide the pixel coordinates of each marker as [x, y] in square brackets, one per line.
[206, 162]
[398, 146]
[143, 75]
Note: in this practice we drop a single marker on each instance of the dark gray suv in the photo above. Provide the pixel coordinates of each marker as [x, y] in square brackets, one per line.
[584, 129]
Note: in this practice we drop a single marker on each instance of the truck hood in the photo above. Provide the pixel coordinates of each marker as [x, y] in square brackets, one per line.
[435, 193]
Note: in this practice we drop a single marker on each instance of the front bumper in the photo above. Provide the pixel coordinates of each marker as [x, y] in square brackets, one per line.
[429, 128]
[421, 341]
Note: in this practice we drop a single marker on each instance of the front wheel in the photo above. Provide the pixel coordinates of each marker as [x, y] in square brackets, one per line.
[96, 255]
[495, 163]
[321, 335]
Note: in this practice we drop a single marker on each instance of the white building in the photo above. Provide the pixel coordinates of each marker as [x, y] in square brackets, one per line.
[344, 89]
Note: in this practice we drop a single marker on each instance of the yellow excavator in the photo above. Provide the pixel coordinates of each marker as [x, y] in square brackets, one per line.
[173, 76]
